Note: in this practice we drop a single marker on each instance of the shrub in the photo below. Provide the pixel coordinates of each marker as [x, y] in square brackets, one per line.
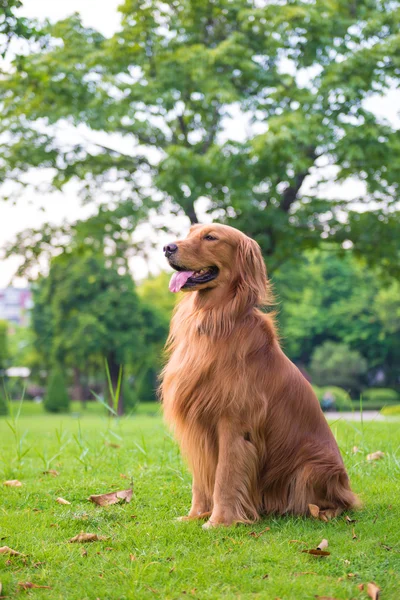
[341, 398]
[3, 405]
[56, 399]
[391, 411]
[384, 395]
[335, 364]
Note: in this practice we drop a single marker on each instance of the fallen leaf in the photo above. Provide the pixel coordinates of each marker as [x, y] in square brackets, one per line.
[62, 501]
[84, 552]
[123, 476]
[373, 591]
[112, 497]
[7, 550]
[354, 537]
[112, 445]
[12, 483]
[355, 449]
[88, 537]
[375, 455]
[28, 585]
[361, 587]
[51, 472]
[265, 576]
[322, 545]
[36, 510]
[351, 575]
[132, 557]
[350, 520]
[171, 570]
[256, 535]
[316, 552]
[36, 565]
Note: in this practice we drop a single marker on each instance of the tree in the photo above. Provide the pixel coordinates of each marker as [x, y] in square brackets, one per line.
[334, 297]
[56, 399]
[165, 87]
[335, 364]
[13, 26]
[87, 312]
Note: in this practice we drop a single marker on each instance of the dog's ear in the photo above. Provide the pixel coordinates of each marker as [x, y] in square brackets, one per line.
[252, 279]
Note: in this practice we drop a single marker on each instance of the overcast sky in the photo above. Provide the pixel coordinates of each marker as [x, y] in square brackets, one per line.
[32, 211]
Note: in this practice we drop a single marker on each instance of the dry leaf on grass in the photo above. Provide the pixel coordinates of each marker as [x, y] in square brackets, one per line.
[51, 472]
[322, 515]
[256, 535]
[375, 455]
[322, 545]
[88, 537]
[355, 449]
[319, 551]
[28, 585]
[62, 501]
[84, 552]
[7, 550]
[350, 520]
[132, 557]
[354, 537]
[361, 587]
[112, 445]
[373, 591]
[112, 497]
[12, 483]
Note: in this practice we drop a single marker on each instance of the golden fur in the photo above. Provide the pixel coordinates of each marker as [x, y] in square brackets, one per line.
[247, 421]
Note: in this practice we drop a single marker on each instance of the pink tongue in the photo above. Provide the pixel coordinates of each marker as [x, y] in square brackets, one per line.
[178, 280]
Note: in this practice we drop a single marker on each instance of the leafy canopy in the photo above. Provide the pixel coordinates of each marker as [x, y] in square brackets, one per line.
[173, 87]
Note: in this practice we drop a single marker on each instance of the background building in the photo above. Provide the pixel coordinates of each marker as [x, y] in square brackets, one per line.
[15, 304]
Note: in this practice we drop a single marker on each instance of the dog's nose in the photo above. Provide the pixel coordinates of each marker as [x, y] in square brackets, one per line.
[170, 249]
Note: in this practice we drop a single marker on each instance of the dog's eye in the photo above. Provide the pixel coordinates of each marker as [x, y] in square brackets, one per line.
[209, 238]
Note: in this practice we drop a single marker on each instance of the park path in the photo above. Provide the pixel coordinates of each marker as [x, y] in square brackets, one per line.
[368, 415]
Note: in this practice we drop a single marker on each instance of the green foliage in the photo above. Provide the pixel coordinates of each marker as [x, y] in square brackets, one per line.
[3, 403]
[130, 396]
[391, 411]
[173, 83]
[335, 363]
[147, 384]
[86, 311]
[4, 345]
[377, 398]
[56, 399]
[332, 296]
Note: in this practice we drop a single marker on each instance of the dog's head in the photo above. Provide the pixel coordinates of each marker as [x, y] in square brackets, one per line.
[216, 256]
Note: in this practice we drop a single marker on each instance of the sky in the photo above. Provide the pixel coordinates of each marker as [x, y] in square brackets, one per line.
[33, 209]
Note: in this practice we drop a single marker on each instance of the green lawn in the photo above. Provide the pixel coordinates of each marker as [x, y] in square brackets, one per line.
[148, 554]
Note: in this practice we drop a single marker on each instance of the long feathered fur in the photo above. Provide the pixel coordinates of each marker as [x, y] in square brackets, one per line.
[241, 411]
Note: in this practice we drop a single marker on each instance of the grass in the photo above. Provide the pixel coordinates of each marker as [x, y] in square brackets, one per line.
[148, 554]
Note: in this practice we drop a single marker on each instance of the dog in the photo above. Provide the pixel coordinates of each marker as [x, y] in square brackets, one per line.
[247, 421]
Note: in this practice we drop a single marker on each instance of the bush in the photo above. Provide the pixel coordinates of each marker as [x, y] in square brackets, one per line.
[341, 398]
[56, 399]
[377, 398]
[335, 364]
[391, 411]
[3, 405]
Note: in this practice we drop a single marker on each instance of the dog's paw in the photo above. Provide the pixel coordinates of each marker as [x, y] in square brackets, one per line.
[195, 517]
[211, 525]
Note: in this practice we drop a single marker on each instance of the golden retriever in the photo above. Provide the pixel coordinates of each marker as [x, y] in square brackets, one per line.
[248, 423]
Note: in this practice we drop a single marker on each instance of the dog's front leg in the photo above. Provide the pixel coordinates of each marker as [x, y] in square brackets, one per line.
[201, 504]
[235, 497]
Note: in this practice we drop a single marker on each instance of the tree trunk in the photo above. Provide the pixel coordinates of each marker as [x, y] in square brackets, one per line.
[78, 390]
